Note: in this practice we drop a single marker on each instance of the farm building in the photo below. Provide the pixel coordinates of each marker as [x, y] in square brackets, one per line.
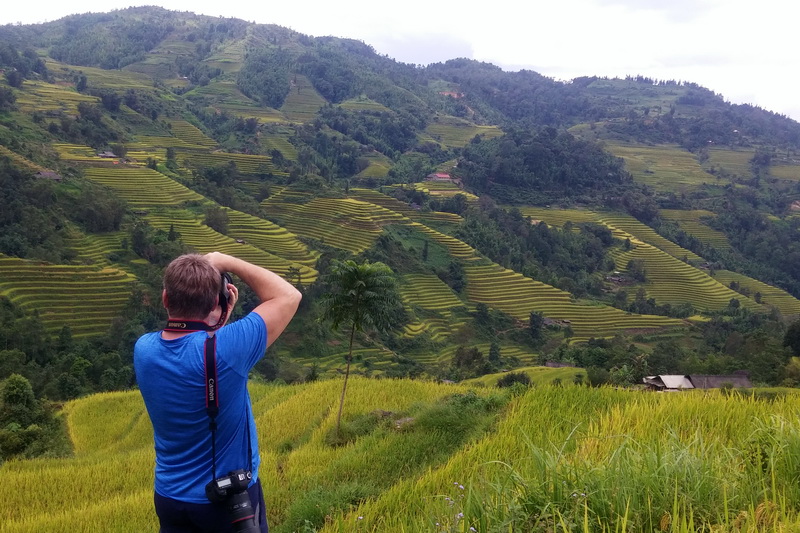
[438, 176]
[695, 381]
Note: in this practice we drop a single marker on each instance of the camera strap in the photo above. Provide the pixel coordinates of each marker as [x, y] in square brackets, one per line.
[212, 402]
[212, 398]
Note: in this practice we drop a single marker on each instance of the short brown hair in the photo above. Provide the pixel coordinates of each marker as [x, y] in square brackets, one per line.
[192, 285]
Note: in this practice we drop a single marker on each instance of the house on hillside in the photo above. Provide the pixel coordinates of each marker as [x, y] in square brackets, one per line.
[107, 155]
[438, 176]
[50, 175]
[667, 382]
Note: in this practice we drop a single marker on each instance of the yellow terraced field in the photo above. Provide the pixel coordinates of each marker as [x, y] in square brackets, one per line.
[95, 248]
[269, 237]
[142, 187]
[85, 298]
[770, 296]
[204, 240]
[428, 292]
[670, 280]
[518, 296]
[191, 134]
[41, 96]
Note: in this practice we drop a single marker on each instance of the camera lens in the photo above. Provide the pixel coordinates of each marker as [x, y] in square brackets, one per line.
[240, 509]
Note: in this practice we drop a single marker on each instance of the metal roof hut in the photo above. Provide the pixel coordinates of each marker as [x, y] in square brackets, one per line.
[668, 382]
[702, 381]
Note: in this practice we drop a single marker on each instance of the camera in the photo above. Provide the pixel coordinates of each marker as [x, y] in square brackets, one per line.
[231, 490]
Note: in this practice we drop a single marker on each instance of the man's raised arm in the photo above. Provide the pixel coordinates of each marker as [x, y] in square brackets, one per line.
[279, 298]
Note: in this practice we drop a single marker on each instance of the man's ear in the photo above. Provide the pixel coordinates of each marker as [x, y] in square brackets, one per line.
[164, 300]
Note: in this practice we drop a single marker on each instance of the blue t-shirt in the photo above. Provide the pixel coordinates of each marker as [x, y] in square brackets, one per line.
[172, 382]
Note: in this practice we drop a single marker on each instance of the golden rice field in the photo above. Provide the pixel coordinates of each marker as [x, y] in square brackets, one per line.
[555, 459]
[191, 134]
[85, 298]
[383, 200]
[94, 248]
[142, 187]
[445, 189]
[736, 161]
[104, 79]
[378, 167]
[303, 100]
[344, 223]
[771, 296]
[42, 96]
[665, 167]
[224, 95]
[540, 375]
[670, 280]
[455, 132]
[518, 296]
[203, 239]
[691, 222]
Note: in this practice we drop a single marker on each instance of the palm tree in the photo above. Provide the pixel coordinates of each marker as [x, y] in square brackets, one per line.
[362, 296]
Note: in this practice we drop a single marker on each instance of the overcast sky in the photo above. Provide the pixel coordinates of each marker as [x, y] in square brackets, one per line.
[744, 50]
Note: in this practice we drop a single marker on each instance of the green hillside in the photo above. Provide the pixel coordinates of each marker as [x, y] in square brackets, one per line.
[598, 212]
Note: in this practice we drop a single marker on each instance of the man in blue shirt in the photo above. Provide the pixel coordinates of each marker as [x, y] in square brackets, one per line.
[170, 370]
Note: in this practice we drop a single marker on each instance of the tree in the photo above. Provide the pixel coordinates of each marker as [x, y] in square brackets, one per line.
[363, 296]
[535, 324]
[792, 338]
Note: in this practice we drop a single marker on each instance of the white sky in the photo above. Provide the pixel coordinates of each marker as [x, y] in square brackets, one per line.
[742, 49]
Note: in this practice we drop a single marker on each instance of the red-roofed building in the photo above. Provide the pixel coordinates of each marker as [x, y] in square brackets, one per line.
[438, 176]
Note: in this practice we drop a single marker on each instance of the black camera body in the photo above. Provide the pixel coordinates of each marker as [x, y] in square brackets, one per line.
[231, 490]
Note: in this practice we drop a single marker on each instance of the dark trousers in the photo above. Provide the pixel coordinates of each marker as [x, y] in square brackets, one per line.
[181, 517]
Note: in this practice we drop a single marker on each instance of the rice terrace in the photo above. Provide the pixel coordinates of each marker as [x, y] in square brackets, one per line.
[585, 315]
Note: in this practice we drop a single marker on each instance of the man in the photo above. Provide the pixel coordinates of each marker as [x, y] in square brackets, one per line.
[170, 370]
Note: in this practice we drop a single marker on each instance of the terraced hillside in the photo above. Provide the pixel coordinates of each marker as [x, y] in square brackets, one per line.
[670, 280]
[84, 298]
[665, 168]
[303, 100]
[768, 295]
[692, 223]
[343, 223]
[142, 187]
[437, 302]
[455, 132]
[203, 239]
[518, 296]
[48, 97]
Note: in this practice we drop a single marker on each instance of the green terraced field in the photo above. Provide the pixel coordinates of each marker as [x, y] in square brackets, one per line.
[770, 296]
[455, 132]
[378, 167]
[78, 153]
[785, 172]
[427, 291]
[94, 248]
[303, 101]
[191, 134]
[558, 217]
[518, 295]
[691, 223]
[229, 58]
[224, 95]
[44, 97]
[204, 240]
[670, 280]
[665, 168]
[142, 187]
[363, 103]
[20, 161]
[85, 298]
[736, 162]
[119, 80]
[245, 163]
[280, 141]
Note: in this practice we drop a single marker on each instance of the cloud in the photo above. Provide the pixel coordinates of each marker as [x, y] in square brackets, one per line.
[422, 49]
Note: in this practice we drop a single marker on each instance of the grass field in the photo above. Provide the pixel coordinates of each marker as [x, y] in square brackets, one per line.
[560, 459]
[540, 375]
